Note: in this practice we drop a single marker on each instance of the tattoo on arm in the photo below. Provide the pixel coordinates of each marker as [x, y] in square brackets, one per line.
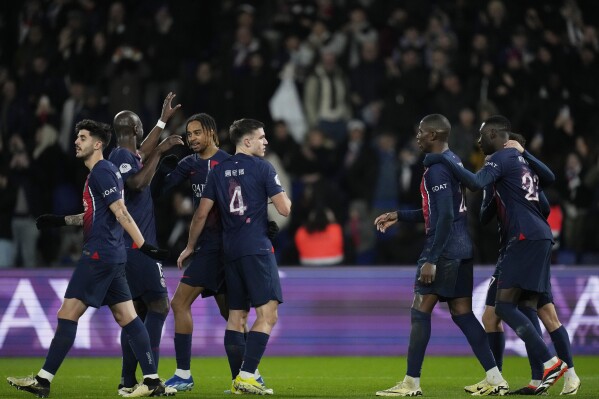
[124, 217]
[74, 220]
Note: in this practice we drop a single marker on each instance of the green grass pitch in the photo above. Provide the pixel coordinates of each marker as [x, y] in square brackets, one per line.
[294, 377]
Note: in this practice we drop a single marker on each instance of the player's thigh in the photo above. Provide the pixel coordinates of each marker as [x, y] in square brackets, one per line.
[424, 303]
[185, 295]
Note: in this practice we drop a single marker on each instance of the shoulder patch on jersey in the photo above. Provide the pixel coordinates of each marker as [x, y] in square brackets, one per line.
[125, 167]
[277, 180]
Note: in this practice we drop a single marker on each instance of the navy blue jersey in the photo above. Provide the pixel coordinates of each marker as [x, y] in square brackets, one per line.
[516, 188]
[139, 203]
[241, 186]
[438, 188]
[488, 210]
[102, 233]
[196, 169]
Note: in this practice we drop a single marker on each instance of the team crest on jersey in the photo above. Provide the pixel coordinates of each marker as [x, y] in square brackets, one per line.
[124, 168]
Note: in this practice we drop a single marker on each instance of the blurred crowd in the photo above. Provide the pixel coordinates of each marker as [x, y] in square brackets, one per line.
[341, 86]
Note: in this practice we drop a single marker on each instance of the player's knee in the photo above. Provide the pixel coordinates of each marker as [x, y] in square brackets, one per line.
[178, 305]
[549, 317]
[491, 321]
[160, 306]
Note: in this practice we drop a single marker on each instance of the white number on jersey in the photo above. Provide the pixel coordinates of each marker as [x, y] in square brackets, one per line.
[236, 206]
[463, 207]
[530, 183]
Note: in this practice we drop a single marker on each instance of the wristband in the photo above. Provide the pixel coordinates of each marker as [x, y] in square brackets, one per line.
[160, 124]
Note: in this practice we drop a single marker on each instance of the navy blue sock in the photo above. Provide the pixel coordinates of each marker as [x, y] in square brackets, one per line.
[129, 365]
[497, 345]
[254, 349]
[536, 366]
[477, 338]
[561, 341]
[140, 343]
[235, 348]
[183, 351]
[524, 329]
[420, 334]
[66, 330]
[154, 322]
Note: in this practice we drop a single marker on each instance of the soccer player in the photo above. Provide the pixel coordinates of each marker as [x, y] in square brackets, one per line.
[524, 267]
[241, 186]
[545, 307]
[205, 274]
[137, 161]
[99, 278]
[445, 267]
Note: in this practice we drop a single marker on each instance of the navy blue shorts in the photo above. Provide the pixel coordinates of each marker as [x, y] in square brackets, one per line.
[96, 283]
[544, 298]
[207, 270]
[253, 280]
[453, 279]
[526, 265]
[145, 277]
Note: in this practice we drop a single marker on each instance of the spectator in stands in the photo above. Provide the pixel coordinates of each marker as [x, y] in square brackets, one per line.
[320, 240]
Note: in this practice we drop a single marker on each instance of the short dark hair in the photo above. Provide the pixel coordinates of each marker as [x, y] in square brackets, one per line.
[437, 123]
[519, 138]
[499, 123]
[207, 122]
[96, 129]
[241, 127]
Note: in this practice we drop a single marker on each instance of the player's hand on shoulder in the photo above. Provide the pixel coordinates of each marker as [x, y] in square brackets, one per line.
[47, 221]
[154, 252]
[514, 144]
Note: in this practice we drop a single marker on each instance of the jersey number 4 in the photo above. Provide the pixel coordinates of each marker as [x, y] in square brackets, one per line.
[236, 205]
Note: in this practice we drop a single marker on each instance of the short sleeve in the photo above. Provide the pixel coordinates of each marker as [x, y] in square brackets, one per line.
[439, 182]
[273, 183]
[125, 162]
[106, 183]
[210, 188]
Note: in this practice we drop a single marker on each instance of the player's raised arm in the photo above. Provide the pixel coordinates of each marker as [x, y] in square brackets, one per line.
[474, 181]
[151, 141]
[144, 176]
[198, 222]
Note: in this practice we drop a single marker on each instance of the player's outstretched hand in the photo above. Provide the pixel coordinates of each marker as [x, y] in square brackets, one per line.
[153, 252]
[273, 229]
[382, 222]
[184, 255]
[46, 221]
[168, 143]
[167, 109]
